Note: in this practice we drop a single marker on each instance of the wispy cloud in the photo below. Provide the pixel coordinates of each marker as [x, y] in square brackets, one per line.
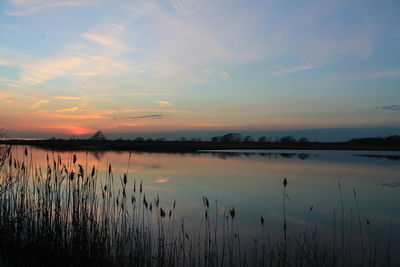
[3, 62]
[152, 116]
[107, 41]
[68, 97]
[281, 70]
[50, 68]
[39, 103]
[4, 95]
[139, 110]
[38, 72]
[68, 109]
[31, 7]
[108, 35]
[187, 6]
[147, 94]
[7, 97]
[207, 71]
[86, 74]
[163, 103]
[224, 75]
[390, 107]
[61, 115]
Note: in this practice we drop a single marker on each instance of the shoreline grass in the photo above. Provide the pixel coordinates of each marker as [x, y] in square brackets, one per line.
[196, 146]
[66, 215]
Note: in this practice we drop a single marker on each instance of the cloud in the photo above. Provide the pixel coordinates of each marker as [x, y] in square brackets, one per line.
[390, 107]
[164, 103]
[41, 71]
[186, 6]
[47, 69]
[68, 109]
[207, 71]
[147, 94]
[4, 94]
[86, 74]
[115, 111]
[152, 116]
[7, 97]
[39, 103]
[36, 6]
[68, 97]
[224, 75]
[281, 70]
[104, 40]
[108, 35]
[3, 62]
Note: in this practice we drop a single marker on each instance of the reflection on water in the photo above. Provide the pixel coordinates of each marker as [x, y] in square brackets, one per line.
[251, 182]
[225, 155]
[389, 157]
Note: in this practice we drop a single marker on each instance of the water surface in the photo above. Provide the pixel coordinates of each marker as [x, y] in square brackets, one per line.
[251, 181]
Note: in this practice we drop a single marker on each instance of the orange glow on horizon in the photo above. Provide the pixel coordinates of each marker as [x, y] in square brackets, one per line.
[71, 129]
[78, 130]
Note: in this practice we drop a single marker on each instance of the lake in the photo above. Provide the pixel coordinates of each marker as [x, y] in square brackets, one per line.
[251, 182]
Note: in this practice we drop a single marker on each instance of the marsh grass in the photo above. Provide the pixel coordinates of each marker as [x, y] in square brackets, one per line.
[66, 215]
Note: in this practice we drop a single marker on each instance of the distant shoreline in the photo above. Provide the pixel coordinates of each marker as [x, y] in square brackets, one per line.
[191, 146]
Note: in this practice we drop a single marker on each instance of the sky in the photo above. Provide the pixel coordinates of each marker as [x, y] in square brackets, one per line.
[74, 67]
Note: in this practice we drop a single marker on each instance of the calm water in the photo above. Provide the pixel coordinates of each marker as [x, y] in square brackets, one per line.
[251, 181]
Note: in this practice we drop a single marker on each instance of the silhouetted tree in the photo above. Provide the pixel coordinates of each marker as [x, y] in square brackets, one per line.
[139, 139]
[232, 138]
[98, 136]
[304, 140]
[216, 139]
[389, 140]
[287, 140]
[393, 140]
[248, 139]
[262, 139]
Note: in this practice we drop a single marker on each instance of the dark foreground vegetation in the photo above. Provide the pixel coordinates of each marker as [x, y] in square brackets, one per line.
[65, 215]
[229, 141]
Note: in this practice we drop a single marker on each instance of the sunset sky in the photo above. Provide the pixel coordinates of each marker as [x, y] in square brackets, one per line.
[75, 67]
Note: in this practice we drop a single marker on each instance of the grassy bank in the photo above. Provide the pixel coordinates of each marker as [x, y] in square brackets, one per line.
[193, 146]
[65, 214]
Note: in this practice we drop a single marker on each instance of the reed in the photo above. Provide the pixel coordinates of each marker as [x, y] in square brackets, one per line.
[66, 215]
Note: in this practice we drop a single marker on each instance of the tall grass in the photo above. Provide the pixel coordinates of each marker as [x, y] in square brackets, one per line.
[66, 215]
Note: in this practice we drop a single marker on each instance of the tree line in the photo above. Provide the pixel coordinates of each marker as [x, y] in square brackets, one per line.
[238, 138]
[227, 138]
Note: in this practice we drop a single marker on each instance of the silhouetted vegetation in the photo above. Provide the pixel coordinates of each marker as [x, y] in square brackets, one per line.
[227, 141]
[98, 136]
[389, 157]
[4, 148]
[390, 140]
[287, 140]
[65, 215]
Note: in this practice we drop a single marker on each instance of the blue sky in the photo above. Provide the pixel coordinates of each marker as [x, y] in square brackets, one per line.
[74, 67]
